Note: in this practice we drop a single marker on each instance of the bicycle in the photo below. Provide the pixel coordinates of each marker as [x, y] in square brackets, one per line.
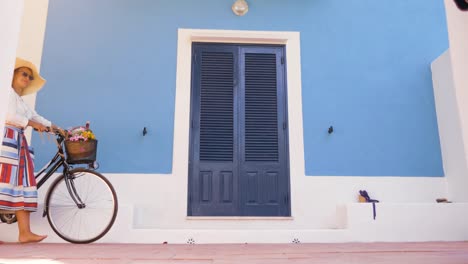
[81, 204]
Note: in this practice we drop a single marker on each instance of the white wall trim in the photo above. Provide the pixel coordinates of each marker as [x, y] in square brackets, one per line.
[458, 39]
[451, 73]
[182, 104]
[450, 128]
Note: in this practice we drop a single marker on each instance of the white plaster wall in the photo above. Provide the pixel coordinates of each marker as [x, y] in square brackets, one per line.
[155, 212]
[10, 20]
[457, 22]
[160, 203]
[400, 222]
[22, 23]
[31, 41]
[450, 131]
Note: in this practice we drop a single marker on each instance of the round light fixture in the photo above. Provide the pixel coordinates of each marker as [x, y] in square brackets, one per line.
[240, 7]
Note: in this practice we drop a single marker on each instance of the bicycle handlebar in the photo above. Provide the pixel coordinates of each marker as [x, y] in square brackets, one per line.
[58, 132]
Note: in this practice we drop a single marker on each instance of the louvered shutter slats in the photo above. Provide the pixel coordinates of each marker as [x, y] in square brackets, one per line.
[261, 117]
[216, 106]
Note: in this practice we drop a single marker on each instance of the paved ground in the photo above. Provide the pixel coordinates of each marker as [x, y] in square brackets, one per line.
[349, 253]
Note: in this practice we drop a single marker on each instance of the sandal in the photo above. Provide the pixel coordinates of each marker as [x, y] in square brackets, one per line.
[365, 195]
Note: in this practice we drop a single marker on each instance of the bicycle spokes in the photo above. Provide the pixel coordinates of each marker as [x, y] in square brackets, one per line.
[83, 207]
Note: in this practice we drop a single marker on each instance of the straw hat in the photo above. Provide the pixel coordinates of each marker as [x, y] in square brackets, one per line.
[38, 81]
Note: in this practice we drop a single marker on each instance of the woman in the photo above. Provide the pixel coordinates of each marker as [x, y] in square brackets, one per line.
[18, 192]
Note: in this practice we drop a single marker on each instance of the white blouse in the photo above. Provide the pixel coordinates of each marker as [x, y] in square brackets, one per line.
[19, 113]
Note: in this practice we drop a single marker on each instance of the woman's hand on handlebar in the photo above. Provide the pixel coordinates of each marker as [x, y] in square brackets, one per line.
[41, 128]
[38, 126]
[56, 130]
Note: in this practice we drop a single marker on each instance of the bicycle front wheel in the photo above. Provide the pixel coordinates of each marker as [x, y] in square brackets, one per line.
[92, 219]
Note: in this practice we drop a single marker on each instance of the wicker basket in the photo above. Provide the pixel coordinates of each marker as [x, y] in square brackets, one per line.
[81, 152]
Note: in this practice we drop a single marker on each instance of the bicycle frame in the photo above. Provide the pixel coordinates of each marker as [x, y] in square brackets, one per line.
[54, 164]
[50, 168]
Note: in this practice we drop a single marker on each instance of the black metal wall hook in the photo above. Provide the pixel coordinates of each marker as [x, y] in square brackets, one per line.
[145, 131]
[462, 4]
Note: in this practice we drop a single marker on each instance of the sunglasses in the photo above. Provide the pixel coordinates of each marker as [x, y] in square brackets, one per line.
[27, 75]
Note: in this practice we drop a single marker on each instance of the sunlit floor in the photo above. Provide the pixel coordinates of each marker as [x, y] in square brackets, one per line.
[349, 253]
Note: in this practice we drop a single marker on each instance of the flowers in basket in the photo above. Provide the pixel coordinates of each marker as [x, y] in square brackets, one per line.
[81, 133]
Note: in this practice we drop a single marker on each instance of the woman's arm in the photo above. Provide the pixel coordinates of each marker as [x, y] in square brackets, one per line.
[37, 126]
[37, 120]
[21, 115]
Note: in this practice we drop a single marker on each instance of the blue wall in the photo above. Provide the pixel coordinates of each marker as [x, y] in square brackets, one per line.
[365, 70]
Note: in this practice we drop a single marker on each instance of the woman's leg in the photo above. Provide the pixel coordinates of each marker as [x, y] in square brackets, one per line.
[27, 180]
[24, 228]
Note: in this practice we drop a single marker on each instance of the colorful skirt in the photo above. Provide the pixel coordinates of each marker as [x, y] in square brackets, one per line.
[18, 189]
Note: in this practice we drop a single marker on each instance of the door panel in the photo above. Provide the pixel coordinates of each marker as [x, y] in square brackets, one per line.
[213, 162]
[214, 193]
[263, 155]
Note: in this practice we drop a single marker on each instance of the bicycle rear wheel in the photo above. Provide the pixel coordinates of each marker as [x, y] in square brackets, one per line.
[94, 219]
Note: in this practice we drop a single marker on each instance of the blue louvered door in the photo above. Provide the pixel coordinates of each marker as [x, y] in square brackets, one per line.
[238, 158]
[264, 179]
[213, 174]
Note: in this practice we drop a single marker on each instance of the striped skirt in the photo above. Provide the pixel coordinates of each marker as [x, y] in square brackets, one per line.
[17, 183]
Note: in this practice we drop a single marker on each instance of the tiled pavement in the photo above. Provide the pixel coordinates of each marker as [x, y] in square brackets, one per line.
[349, 253]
